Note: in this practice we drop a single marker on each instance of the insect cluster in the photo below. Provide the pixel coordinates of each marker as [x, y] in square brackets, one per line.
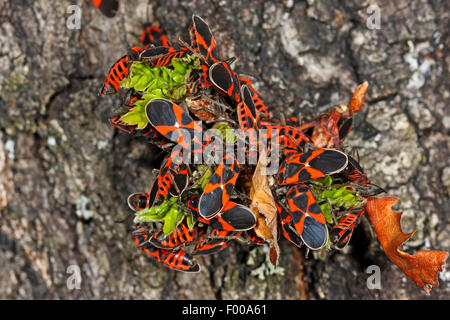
[186, 100]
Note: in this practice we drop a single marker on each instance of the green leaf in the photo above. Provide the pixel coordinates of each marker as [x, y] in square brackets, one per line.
[136, 116]
[172, 219]
[179, 66]
[178, 78]
[189, 222]
[338, 193]
[153, 214]
[192, 61]
[205, 179]
[327, 181]
[339, 196]
[141, 77]
[157, 213]
[226, 132]
[327, 212]
[161, 82]
[179, 92]
[348, 198]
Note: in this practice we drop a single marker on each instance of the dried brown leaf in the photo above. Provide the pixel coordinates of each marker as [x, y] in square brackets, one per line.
[358, 98]
[263, 206]
[423, 266]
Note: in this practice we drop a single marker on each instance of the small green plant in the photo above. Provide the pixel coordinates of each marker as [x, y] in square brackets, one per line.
[338, 196]
[168, 212]
[157, 82]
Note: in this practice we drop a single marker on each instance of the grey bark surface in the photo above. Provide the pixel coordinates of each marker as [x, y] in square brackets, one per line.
[61, 161]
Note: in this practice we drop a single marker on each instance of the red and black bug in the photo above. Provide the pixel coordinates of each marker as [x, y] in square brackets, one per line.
[203, 40]
[258, 102]
[153, 36]
[247, 113]
[159, 51]
[248, 120]
[249, 116]
[196, 241]
[287, 227]
[107, 7]
[149, 132]
[177, 260]
[178, 181]
[341, 233]
[293, 121]
[140, 201]
[174, 123]
[214, 71]
[356, 179]
[251, 237]
[182, 237]
[286, 136]
[314, 164]
[220, 187]
[232, 217]
[172, 178]
[305, 218]
[177, 125]
[214, 242]
[119, 71]
[119, 124]
[225, 80]
[355, 173]
[163, 55]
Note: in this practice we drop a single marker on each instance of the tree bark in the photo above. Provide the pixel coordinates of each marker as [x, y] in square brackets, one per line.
[61, 162]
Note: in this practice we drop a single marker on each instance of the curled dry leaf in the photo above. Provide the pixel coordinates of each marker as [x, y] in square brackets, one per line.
[263, 206]
[423, 266]
[358, 98]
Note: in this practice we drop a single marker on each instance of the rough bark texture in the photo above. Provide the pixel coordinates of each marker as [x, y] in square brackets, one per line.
[60, 160]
